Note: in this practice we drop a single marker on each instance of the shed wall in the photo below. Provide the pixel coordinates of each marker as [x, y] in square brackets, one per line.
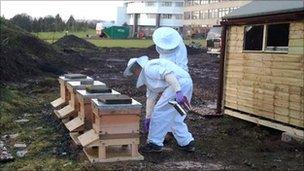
[266, 84]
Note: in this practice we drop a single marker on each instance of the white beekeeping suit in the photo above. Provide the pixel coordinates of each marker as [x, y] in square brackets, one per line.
[170, 46]
[165, 77]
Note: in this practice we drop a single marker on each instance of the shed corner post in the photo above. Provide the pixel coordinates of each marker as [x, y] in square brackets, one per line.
[221, 69]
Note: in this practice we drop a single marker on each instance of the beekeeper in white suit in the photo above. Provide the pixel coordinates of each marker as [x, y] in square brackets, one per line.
[170, 46]
[173, 82]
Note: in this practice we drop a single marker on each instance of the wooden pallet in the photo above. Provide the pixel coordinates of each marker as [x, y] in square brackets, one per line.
[110, 148]
[275, 125]
[114, 154]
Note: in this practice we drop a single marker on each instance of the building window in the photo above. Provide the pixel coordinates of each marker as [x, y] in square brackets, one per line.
[253, 39]
[213, 1]
[179, 4]
[151, 16]
[204, 1]
[275, 42]
[167, 4]
[195, 15]
[179, 16]
[150, 3]
[166, 16]
[186, 15]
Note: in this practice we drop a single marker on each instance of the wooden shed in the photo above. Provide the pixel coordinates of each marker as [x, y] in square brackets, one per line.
[262, 65]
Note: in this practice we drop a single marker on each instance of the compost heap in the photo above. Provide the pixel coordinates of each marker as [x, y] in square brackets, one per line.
[23, 55]
[74, 42]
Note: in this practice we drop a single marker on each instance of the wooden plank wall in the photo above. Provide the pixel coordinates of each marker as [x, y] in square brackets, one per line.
[269, 85]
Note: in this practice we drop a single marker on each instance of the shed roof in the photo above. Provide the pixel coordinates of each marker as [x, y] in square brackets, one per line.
[262, 8]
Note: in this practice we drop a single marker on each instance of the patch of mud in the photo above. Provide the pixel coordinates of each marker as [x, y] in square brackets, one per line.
[189, 165]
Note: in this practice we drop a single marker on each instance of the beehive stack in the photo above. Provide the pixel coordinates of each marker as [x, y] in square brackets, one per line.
[64, 95]
[100, 119]
[70, 111]
[115, 132]
[83, 121]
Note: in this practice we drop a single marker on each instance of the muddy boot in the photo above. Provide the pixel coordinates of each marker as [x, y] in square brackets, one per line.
[151, 148]
[169, 137]
[189, 148]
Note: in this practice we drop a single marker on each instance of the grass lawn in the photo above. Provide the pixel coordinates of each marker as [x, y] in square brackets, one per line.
[51, 37]
[125, 43]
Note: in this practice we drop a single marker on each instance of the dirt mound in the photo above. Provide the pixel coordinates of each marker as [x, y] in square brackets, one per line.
[190, 50]
[23, 55]
[72, 42]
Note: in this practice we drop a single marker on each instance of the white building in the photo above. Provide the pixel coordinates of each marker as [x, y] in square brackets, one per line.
[146, 16]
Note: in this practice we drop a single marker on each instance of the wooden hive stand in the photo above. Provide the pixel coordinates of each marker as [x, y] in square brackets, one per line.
[83, 121]
[64, 95]
[115, 133]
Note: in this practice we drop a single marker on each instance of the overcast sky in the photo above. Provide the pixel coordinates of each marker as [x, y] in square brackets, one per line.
[101, 10]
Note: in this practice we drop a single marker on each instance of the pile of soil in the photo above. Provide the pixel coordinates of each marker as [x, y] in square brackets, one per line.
[23, 55]
[190, 50]
[72, 42]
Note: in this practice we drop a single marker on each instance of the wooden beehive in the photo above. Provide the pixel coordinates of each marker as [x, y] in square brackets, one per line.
[64, 95]
[84, 119]
[70, 111]
[115, 133]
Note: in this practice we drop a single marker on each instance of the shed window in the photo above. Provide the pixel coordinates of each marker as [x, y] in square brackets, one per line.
[277, 37]
[253, 37]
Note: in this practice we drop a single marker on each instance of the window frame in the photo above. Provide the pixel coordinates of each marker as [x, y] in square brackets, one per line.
[264, 43]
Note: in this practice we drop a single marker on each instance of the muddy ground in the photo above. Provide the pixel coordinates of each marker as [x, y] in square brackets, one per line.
[221, 142]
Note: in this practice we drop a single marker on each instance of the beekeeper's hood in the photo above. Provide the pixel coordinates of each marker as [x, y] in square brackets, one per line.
[141, 61]
[166, 38]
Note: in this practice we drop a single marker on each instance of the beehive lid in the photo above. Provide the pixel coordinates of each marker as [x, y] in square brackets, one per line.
[134, 105]
[115, 99]
[79, 85]
[87, 96]
[98, 89]
[75, 76]
[86, 78]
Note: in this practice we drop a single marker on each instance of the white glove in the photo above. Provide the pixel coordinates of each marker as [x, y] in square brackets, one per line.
[172, 81]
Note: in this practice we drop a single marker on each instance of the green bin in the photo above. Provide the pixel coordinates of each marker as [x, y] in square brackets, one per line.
[117, 32]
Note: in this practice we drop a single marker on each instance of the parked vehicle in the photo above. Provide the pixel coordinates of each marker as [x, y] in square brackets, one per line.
[214, 40]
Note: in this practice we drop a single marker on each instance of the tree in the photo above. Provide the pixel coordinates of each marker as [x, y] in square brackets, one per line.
[36, 27]
[71, 23]
[23, 20]
[59, 24]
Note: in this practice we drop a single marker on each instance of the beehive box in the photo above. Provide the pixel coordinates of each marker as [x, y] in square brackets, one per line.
[84, 119]
[64, 95]
[115, 132]
[70, 111]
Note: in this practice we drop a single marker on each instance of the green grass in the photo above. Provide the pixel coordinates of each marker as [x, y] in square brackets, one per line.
[51, 37]
[125, 43]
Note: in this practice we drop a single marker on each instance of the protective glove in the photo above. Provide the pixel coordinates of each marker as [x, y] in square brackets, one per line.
[182, 100]
[146, 125]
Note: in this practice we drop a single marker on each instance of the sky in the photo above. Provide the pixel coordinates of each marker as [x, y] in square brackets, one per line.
[88, 10]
